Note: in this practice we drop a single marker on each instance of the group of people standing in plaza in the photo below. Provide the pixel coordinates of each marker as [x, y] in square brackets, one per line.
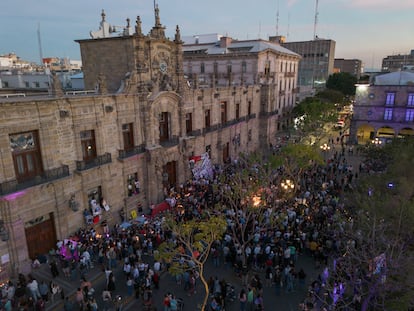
[305, 224]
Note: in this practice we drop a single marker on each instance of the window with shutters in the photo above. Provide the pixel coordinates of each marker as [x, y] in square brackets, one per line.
[128, 136]
[26, 154]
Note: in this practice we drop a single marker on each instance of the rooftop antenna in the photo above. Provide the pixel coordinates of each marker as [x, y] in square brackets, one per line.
[372, 61]
[260, 29]
[288, 27]
[315, 36]
[39, 42]
[277, 19]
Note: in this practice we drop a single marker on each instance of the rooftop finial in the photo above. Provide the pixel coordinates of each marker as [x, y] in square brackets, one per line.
[157, 15]
[138, 26]
[177, 34]
[103, 15]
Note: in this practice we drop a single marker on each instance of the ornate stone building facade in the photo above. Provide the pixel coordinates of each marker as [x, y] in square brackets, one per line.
[62, 155]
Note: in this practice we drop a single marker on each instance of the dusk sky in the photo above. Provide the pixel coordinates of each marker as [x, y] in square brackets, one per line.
[363, 29]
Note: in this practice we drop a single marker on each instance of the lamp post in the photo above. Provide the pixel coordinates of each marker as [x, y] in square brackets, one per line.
[325, 149]
[287, 185]
[376, 141]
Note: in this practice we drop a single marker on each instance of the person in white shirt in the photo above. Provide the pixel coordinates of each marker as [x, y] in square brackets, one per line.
[157, 266]
[33, 286]
[87, 259]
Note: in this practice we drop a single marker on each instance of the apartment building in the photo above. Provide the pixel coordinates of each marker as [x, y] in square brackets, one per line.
[317, 62]
[351, 66]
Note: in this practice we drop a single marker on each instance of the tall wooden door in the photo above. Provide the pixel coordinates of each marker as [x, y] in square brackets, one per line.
[226, 153]
[41, 237]
[170, 170]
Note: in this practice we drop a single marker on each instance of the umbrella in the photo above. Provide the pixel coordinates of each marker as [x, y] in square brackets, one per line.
[141, 220]
[125, 225]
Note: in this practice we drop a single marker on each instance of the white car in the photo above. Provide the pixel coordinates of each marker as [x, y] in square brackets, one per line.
[340, 124]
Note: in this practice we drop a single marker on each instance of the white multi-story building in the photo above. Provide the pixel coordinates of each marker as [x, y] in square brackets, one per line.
[213, 60]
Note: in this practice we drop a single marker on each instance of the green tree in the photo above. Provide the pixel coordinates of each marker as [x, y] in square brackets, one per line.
[245, 194]
[380, 226]
[311, 115]
[189, 246]
[343, 82]
[331, 96]
[295, 159]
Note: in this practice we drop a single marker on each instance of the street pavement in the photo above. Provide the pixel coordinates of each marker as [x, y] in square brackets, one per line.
[282, 302]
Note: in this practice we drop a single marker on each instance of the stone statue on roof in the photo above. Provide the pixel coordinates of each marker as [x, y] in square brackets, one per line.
[138, 26]
[101, 84]
[104, 29]
[177, 38]
[56, 89]
[157, 17]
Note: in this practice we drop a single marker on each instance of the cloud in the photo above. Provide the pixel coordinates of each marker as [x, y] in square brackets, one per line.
[391, 5]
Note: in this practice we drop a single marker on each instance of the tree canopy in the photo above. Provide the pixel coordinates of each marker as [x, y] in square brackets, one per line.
[312, 114]
[343, 82]
[331, 96]
[189, 244]
[379, 229]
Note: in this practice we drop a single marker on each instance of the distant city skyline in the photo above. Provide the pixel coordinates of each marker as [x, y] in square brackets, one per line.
[368, 30]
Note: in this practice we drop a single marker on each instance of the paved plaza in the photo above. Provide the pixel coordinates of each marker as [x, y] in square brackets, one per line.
[272, 301]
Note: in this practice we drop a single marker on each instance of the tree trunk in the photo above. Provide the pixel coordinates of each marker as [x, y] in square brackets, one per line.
[207, 290]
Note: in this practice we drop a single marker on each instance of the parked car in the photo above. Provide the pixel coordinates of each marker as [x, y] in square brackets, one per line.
[340, 124]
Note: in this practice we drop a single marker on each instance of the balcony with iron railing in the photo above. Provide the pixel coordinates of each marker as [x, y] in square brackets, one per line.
[98, 161]
[194, 133]
[251, 116]
[211, 128]
[47, 176]
[289, 74]
[171, 142]
[230, 123]
[123, 154]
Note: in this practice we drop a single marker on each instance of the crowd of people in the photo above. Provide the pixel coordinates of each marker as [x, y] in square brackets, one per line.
[305, 223]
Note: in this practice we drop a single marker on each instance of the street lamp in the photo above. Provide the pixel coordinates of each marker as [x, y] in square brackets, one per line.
[325, 148]
[376, 141]
[287, 185]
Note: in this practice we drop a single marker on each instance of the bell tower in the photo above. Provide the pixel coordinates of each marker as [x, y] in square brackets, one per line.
[132, 62]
